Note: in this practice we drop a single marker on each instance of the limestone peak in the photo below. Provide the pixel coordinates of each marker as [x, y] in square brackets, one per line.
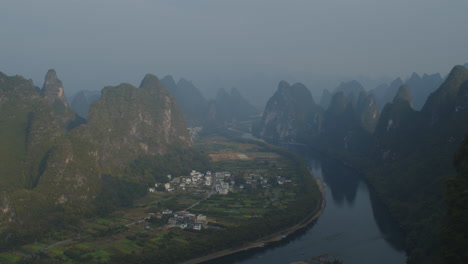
[52, 89]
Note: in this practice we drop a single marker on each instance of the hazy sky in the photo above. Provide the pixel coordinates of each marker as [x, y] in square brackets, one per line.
[105, 42]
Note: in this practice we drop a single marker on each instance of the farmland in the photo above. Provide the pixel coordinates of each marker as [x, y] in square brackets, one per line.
[268, 187]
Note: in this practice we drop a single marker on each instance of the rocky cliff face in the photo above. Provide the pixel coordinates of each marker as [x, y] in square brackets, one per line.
[397, 122]
[442, 102]
[437, 128]
[52, 89]
[367, 111]
[33, 122]
[52, 162]
[415, 149]
[291, 114]
[128, 122]
[37, 156]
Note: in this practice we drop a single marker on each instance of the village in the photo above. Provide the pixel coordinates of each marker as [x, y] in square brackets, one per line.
[247, 181]
[221, 183]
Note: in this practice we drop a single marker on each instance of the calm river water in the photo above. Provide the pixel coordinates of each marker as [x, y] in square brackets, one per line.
[354, 227]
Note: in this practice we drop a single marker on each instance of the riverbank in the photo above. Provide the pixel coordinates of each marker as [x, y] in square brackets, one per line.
[273, 237]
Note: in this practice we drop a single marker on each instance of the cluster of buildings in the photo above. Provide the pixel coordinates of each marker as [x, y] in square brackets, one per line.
[182, 219]
[193, 132]
[195, 179]
[282, 180]
[255, 179]
[223, 183]
[218, 182]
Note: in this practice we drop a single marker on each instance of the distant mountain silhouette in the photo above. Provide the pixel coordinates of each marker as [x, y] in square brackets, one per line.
[422, 87]
[232, 107]
[351, 90]
[189, 98]
[82, 100]
[291, 114]
[325, 99]
[385, 93]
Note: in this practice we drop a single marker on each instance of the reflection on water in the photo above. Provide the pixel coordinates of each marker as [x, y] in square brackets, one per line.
[387, 226]
[354, 226]
[342, 188]
[343, 184]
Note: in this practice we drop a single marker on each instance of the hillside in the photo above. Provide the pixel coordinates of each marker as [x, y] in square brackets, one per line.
[413, 153]
[407, 158]
[290, 114]
[57, 169]
[455, 234]
[136, 121]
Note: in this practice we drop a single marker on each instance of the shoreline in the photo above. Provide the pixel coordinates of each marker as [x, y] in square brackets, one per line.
[271, 238]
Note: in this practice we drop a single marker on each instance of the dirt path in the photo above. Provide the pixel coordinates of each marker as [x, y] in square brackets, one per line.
[57, 243]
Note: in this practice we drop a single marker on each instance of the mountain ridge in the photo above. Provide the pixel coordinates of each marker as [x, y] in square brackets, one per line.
[407, 158]
[55, 172]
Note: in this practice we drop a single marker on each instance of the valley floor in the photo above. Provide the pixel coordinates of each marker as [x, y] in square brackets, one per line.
[271, 238]
[265, 186]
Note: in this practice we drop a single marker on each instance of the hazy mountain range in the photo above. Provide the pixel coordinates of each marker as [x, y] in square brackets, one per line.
[406, 154]
[58, 163]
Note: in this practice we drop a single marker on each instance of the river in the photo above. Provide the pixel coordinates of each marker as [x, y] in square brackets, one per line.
[354, 227]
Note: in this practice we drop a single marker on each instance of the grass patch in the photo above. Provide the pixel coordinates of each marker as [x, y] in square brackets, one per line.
[181, 240]
[86, 245]
[126, 246]
[121, 220]
[56, 250]
[34, 247]
[101, 255]
[103, 221]
[9, 258]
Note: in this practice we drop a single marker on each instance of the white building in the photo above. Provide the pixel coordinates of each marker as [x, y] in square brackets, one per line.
[208, 180]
